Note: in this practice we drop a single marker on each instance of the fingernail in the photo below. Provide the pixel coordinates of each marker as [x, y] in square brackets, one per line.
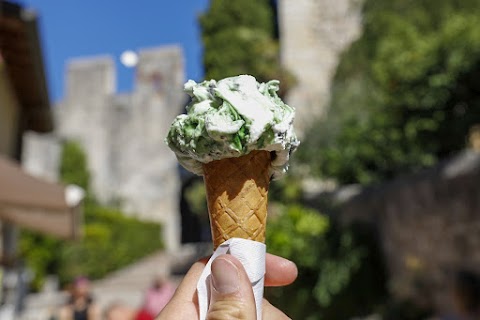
[225, 278]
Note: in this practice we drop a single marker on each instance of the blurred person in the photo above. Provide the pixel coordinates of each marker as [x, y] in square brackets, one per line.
[80, 305]
[231, 290]
[156, 298]
[119, 311]
[143, 314]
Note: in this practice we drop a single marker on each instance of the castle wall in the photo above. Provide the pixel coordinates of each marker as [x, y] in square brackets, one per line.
[123, 135]
[41, 155]
[313, 34]
[147, 168]
[429, 229]
[85, 115]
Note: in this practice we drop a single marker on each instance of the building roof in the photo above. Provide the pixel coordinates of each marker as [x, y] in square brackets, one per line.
[22, 54]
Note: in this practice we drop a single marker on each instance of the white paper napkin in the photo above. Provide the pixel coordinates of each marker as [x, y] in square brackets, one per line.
[252, 256]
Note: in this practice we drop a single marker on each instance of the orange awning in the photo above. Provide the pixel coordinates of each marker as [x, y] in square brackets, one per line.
[34, 204]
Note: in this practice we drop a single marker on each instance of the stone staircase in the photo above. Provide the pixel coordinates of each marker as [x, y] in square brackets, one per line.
[126, 286]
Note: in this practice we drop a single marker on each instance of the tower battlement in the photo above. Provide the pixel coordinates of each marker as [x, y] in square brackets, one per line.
[91, 76]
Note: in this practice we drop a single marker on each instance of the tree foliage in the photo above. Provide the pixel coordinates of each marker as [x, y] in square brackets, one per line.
[327, 261]
[73, 166]
[239, 38]
[405, 94]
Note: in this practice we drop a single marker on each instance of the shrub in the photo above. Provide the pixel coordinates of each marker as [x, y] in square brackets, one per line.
[326, 259]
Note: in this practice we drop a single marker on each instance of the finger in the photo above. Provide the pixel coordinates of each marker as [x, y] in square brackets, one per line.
[181, 306]
[231, 291]
[279, 271]
[269, 312]
[187, 289]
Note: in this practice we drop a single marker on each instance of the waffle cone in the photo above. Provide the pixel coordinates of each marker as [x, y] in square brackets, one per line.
[237, 194]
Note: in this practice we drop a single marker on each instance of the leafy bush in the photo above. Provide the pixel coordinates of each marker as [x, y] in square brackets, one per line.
[111, 241]
[196, 196]
[327, 259]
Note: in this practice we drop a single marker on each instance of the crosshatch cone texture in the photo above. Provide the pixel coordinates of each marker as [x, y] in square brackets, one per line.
[237, 194]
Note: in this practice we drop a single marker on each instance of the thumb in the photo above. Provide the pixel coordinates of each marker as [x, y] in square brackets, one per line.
[231, 295]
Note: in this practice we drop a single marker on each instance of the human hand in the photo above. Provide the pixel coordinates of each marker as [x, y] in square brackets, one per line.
[231, 290]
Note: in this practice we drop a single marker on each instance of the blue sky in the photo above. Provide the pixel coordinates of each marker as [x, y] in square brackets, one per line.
[79, 28]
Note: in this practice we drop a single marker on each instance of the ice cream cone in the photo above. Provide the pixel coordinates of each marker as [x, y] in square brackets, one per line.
[237, 193]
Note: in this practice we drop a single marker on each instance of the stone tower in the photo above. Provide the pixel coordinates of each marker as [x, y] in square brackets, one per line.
[123, 134]
[313, 34]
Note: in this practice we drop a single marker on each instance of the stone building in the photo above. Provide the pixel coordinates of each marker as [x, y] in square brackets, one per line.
[122, 134]
[313, 34]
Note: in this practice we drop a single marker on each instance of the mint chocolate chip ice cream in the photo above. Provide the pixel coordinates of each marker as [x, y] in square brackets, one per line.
[230, 118]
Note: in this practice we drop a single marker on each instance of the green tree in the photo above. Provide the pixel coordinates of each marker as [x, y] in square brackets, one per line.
[239, 38]
[73, 166]
[405, 93]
